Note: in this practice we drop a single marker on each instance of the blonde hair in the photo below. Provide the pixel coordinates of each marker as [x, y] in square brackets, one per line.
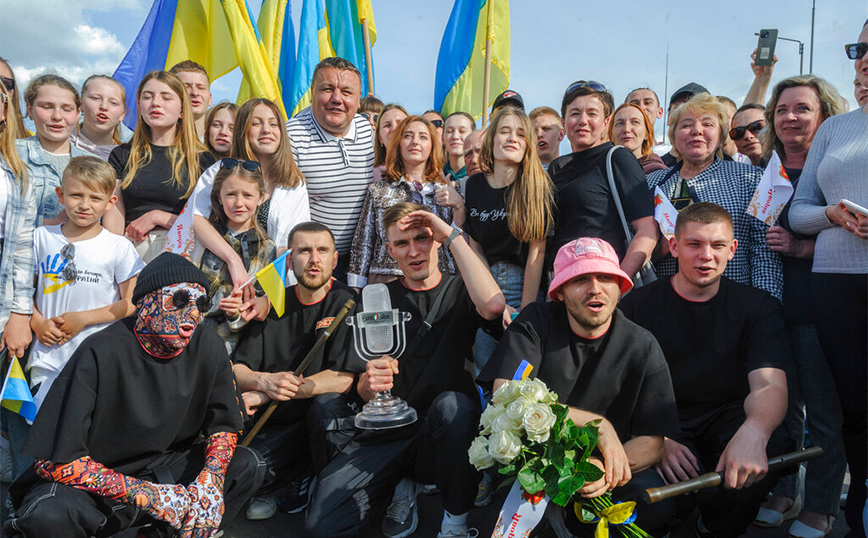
[529, 199]
[50, 79]
[282, 171]
[8, 135]
[648, 142]
[397, 211]
[92, 172]
[20, 128]
[701, 103]
[394, 161]
[185, 148]
[830, 105]
[379, 148]
[116, 134]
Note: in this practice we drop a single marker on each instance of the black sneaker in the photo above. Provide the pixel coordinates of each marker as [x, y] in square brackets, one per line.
[401, 517]
[296, 496]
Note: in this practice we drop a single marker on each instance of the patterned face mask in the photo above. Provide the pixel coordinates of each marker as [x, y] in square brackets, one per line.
[166, 318]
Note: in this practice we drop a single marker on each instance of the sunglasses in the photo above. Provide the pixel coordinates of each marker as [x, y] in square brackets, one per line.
[737, 133]
[177, 299]
[229, 164]
[596, 86]
[437, 123]
[10, 83]
[855, 51]
[371, 117]
[69, 273]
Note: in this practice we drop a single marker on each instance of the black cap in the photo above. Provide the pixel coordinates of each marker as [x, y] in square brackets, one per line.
[509, 97]
[165, 270]
[688, 91]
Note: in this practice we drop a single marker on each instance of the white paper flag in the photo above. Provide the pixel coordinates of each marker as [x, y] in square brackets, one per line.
[519, 516]
[664, 213]
[772, 193]
[180, 239]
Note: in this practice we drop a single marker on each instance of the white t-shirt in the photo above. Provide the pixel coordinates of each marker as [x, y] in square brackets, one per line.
[5, 185]
[101, 263]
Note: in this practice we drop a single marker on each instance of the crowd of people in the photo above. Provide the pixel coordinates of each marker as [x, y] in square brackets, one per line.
[709, 348]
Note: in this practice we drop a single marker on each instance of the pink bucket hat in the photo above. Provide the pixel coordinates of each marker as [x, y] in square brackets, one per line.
[587, 255]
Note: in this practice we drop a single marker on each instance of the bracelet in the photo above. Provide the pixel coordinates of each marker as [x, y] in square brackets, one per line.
[456, 231]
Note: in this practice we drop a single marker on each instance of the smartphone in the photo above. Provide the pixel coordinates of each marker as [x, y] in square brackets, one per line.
[855, 208]
[765, 48]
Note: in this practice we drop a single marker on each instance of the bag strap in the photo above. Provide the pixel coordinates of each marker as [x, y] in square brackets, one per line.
[617, 196]
[429, 319]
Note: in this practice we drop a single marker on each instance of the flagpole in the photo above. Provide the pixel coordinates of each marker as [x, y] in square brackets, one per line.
[487, 79]
[370, 65]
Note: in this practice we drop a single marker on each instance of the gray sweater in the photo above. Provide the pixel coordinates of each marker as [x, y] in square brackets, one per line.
[836, 168]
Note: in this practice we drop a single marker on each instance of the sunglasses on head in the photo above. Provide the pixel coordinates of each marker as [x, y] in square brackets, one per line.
[178, 299]
[230, 163]
[594, 85]
[737, 133]
[855, 51]
[437, 123]
[9, 83]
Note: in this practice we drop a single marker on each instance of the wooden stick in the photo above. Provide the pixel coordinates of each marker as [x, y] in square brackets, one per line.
[317, 346]
[709, 480]
[366, 37]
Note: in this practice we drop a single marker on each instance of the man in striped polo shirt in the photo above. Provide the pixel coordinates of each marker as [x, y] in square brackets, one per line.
[334, 148]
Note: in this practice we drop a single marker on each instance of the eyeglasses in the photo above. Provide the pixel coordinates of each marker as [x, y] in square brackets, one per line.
[437, 123]
[737, 133]
[371, 117]
[3, 98]
[10, 83]
[179, 298]
[594, 85]
[69, 272]
[855, 51]
[229, 164]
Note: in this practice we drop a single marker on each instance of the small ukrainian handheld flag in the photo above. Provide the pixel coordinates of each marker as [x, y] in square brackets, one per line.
[16, 395]
[272, 279]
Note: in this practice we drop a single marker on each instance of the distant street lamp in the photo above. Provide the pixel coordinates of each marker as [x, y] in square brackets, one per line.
[801, 51]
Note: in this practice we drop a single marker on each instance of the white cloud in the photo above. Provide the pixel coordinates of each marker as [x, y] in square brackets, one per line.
[98, 42]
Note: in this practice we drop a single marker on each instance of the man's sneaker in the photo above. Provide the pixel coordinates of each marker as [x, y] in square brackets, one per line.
[401, 516]
[262, 508]
[485, 491]
[297, 495]
[456, 531]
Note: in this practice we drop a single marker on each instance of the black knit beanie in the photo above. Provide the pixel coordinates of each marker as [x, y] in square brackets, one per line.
[165, 270]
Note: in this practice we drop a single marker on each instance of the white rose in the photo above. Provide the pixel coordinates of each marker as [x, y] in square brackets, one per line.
[487, 419]
[504, 446]
[505, 423]
[549, 396]
[517, 408]
[479, 456]
[533, 390]
[538, 422]
[506, 393]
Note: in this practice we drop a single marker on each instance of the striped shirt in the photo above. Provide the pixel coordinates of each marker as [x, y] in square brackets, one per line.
[338, 172]
[730, 185]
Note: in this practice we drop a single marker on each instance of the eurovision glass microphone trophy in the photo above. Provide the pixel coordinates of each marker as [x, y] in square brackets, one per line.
[379, 330]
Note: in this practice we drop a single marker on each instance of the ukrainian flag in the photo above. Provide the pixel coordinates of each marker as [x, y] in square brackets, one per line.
[278, 38]
[313, 46]
[177, 30]
[461, 62]
[345, 31]
[272, 279]
[15, 395]
[250, 52]
[523, 370]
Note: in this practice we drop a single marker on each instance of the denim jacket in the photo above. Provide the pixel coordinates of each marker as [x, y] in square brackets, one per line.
[43, 176]
[17, 262]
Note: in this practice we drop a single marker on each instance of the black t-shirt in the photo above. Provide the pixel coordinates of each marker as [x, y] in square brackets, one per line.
[622, 375]
[585, 206]
[152, 187]
[279, 344]
[124, 408]
[710, 346]
[487, 222]
[443, 361]
[796, 295]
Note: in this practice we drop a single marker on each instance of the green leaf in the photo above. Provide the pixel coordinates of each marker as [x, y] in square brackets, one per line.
[589, 471]
[506, 482]
[531, 480]
[556, 454]
[571, 485]
[507, 469]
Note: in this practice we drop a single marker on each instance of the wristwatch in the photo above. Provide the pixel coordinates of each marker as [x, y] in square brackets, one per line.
[456, 231]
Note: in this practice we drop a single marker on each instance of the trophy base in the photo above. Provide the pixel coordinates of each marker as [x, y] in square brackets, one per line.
[383, 413]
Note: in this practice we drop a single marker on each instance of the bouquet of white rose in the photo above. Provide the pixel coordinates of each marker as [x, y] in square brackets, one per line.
[526, 431]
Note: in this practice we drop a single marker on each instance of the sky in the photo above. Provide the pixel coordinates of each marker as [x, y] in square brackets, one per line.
[622, 44]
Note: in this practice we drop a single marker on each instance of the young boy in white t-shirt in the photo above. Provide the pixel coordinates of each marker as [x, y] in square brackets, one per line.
[85, 274]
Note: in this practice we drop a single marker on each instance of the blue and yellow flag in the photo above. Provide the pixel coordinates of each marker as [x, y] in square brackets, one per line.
[313, 46]
[176, 30]
[16, 395]
[272, 279]
[345, 31]
[277, 34]
[461, 62]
